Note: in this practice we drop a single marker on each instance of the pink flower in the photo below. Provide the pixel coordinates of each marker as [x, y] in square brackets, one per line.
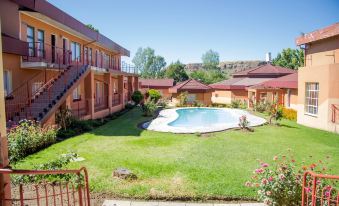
[264, 165]
[259, 171]
[282, 176]
[268, 193]
[270, 179]
[264, 181]
[307, 189]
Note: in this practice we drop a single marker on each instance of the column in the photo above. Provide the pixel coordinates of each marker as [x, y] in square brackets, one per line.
[89, 93]
[5, 182]
[108, 80]
[121, 89]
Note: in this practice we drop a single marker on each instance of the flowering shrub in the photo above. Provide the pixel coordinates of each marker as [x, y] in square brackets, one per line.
[243, 122]
[29, 137]
[148, 108]
[290, 114]
[276, 113]
[280, 184]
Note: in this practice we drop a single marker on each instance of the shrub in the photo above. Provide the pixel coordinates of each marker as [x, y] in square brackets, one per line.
[235, 103]
[198, 104]
[281, 183]
[182, 99]
[148, 108]
[137, 97]
[27, 138]
[276, 113]
[129, 106]
[57, 164]
[243, 122]
[162, 103]
[154, 95]
[262, 107]
[290, 114]
[64, 118]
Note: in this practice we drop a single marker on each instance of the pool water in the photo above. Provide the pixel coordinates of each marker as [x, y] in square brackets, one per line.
[203, 117]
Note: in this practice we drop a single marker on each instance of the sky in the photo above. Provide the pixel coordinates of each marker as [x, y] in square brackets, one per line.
[185, 29]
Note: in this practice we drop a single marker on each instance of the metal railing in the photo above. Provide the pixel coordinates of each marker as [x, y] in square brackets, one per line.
[80, 108]
[101, 103]
[128, 68]
[320, 189]
[48, 193]
[335, 114]
[43, 52]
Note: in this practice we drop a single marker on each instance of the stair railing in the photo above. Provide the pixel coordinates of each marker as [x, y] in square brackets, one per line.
[335, 113]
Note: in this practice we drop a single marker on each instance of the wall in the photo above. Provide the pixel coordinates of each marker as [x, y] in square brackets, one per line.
[204, 98]
[10, 18]
[293, 98]
[327, 77]
[222, 97]
[323, 52]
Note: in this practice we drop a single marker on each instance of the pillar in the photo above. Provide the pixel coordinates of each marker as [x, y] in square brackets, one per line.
[5, 181]
[108, 80]
[89, 93]
[121, 89]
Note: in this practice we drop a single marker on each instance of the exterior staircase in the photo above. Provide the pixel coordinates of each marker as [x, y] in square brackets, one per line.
[48, 98]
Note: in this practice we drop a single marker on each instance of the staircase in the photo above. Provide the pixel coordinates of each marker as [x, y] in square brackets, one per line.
[47, 98]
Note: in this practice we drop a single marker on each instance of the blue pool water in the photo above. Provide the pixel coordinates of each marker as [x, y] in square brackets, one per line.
[203, 117]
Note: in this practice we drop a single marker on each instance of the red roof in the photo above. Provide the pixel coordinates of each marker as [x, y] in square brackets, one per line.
[156, 83]
[266, 70]
[190, 85]
[319, 34]
[287, 82]
[238, 83]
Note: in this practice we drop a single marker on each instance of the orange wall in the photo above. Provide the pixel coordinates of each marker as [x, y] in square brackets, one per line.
[204, 98]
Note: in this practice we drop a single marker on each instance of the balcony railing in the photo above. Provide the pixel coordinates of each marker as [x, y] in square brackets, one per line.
[42, 52]
[128, 68]
[80, 108]
[101, 103]
[46, 193]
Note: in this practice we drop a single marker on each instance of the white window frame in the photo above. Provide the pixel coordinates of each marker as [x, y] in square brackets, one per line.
[77, 93]
[76, 51]
[7, 82]
[312, 98]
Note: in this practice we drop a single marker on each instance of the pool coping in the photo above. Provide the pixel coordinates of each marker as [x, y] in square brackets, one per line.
[166, 116]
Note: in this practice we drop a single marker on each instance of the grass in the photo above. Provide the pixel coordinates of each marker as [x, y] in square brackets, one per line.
[185, 166]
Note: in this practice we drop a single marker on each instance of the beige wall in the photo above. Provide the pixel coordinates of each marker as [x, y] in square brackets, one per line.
[323, 52]
[227, 96]
[327, 76]
[204, 98]
[293, 98]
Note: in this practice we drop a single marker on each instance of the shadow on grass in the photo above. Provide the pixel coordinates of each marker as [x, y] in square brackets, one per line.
[124, 125]
[288, 126]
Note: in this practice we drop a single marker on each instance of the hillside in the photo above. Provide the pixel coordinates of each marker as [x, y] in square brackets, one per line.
[228, 66]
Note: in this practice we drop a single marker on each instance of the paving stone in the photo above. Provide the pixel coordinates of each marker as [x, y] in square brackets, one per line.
[172, 204]
[116, 203]
[144, 203]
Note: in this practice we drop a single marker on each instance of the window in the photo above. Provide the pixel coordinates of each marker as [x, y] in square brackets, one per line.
[76, 94]
[288, 101]
[30, 40]
[36, 86]
[41, 43]
[191, 98]
[90, 56]
[7, 82]
[311, 98]
[76, 51]
[99, 90]
[85, 55]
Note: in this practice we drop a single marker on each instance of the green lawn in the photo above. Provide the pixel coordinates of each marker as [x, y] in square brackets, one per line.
[185, 166]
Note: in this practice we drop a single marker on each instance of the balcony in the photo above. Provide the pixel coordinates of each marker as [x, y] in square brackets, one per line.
[128, 68]
[46, 55]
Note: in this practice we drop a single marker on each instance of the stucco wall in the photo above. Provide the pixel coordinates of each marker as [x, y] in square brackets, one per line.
[222, 97]
[323, 52]
[204, 98]
[10, 18]
[327, 77]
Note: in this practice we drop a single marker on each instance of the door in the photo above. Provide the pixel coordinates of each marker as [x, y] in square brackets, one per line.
[53, 45]
[64, 49]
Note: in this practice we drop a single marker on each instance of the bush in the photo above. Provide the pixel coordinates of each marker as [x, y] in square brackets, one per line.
[64, 118]
[276, 113]
[137, 97]
[243, 122]
[262, 107]
[154, 95]
[129, 106]
[27, 138]
[235, 103]
[57, 164]
[281, 183]
[198, 104]
[182, 99]
[148, 108]
[290, 114]
[162, 103]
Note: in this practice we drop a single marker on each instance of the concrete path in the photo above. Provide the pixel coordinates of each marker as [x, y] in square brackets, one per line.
[139, 203]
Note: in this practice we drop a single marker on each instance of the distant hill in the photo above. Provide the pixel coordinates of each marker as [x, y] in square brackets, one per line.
[229, 66]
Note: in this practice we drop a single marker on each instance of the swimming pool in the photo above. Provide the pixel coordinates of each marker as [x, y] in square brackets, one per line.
[192, 120]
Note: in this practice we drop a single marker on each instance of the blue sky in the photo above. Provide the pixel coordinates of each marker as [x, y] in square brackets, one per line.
[185, 29]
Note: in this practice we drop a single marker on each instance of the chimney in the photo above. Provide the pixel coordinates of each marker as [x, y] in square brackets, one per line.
[268, 57]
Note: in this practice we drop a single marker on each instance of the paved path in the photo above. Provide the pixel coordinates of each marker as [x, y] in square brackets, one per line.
[139, 203]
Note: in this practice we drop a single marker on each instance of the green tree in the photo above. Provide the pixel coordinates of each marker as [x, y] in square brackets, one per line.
[290, 58]
[176, 71]
[208, 76]
[149, 64]
[210, 60]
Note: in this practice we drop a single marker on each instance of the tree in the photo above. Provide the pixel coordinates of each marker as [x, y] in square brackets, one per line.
[176, 71]
[210, 60]
[149, 65]
[208, 76]
[290, 58]
[137, 97]
[90, 26]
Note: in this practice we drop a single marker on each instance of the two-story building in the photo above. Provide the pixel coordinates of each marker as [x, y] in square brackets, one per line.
[52, 61]
[318, 80]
